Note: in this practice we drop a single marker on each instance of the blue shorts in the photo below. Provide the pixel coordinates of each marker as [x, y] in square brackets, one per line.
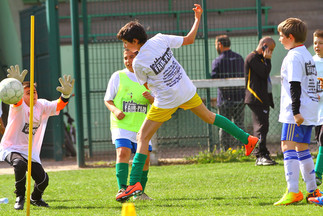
[300, 134]
[128, 144]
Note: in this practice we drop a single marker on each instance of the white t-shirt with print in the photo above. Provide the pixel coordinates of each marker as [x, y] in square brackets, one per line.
[319, 68]
[298, 66]
[110, 94]
[156, 65]
[16, 136]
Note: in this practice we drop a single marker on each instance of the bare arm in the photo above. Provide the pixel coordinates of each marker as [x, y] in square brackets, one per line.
[2, 128]
[149, 97]
[190, 37]
[112, 107]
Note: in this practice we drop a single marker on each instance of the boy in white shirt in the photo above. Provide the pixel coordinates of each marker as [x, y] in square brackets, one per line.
[129, 103]
[298, 110]
[156, 67]
[318, 59]
[14, 143]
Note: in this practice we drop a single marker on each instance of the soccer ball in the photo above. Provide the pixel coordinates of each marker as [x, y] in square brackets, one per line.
[11, 90]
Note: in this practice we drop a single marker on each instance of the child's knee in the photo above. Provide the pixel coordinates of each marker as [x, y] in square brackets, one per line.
[19, 164]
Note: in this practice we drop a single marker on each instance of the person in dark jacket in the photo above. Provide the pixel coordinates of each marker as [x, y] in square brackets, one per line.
[230, 103]
[259, 95]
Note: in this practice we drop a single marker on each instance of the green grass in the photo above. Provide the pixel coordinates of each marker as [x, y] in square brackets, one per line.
[195, 189]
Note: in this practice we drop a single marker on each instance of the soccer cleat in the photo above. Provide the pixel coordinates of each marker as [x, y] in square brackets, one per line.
[316, 193]
[143, 196]
[39, 203]
[289, 198]
[131, 190]
[120, 192]
[318, 179]
[252, 143]
[20, 201]
[265, 161]
[316, 200]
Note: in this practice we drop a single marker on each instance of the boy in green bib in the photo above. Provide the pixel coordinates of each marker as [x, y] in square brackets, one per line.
[129, 103]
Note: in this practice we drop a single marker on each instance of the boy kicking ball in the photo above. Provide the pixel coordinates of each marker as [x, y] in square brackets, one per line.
[156, 68]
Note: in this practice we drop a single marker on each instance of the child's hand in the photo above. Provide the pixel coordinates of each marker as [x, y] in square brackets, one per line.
[198, 11]
[14, 72]
[298, 119]
[66, 87]
[148, 96]
[119, 114]
[321, 82]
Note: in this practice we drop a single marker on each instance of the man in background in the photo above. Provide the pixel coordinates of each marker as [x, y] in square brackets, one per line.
[259, 95]
[230, 99]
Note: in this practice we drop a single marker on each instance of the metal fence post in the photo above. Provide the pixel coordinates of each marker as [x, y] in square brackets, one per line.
[86, 72]
[78, 81]
[259, 22]
[207, 72]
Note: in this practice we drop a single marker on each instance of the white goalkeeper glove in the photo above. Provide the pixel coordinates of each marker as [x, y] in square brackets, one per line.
[14, 72]
[66, 87]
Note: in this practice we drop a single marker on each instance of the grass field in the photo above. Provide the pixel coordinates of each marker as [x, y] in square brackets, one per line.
[198, 189]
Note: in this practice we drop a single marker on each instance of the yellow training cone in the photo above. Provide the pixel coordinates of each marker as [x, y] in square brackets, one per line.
[128, 209]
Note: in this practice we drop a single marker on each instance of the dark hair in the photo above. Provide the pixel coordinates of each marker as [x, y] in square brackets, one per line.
[133, 30]
[318, 33]
[26, 84]
[224, 40]
[295, 27]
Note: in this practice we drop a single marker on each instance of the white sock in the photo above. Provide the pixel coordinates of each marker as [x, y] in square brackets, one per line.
[291, 166]
[307, 169]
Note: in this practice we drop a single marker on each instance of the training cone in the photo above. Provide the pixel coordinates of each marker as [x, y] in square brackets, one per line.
[128, 209]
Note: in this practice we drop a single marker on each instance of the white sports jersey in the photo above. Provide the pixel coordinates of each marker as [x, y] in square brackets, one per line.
[15, 138]
[156, 65]
[298, 65]
[110, 94]
[319, 68]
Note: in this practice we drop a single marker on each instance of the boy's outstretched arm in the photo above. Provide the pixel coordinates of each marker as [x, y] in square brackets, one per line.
[66, 88]
[190, 37]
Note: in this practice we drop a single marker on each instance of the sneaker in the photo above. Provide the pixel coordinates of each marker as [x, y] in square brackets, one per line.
[39, 203]
[316, 200]
[316, 193]
[252, 143]
[129, 192]
[265, 161]
[20, 201]
[142, 197]
[318, 179]
[120, 192]
[289, 198]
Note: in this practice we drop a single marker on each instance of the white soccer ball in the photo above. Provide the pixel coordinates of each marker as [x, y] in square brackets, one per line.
[11, 91]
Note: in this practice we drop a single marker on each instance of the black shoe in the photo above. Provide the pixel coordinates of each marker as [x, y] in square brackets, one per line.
[20, 201]
[265, 161]
[39, 203]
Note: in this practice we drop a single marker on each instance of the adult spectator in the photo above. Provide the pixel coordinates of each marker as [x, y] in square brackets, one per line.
[230, 100]
[259, 95]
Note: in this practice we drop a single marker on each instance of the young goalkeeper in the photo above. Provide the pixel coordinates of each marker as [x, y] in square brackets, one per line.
[14, 143]
[156, 67]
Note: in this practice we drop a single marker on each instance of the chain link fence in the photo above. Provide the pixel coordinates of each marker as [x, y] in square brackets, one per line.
[185, 134]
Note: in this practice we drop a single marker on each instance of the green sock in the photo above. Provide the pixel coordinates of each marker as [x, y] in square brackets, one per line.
[319, 162]
[144, 179]
[122, 170]
[137, 167]
[229, 127]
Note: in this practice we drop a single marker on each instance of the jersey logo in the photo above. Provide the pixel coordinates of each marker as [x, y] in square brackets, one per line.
[25, 130]
[160, 63]
[130, 106]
